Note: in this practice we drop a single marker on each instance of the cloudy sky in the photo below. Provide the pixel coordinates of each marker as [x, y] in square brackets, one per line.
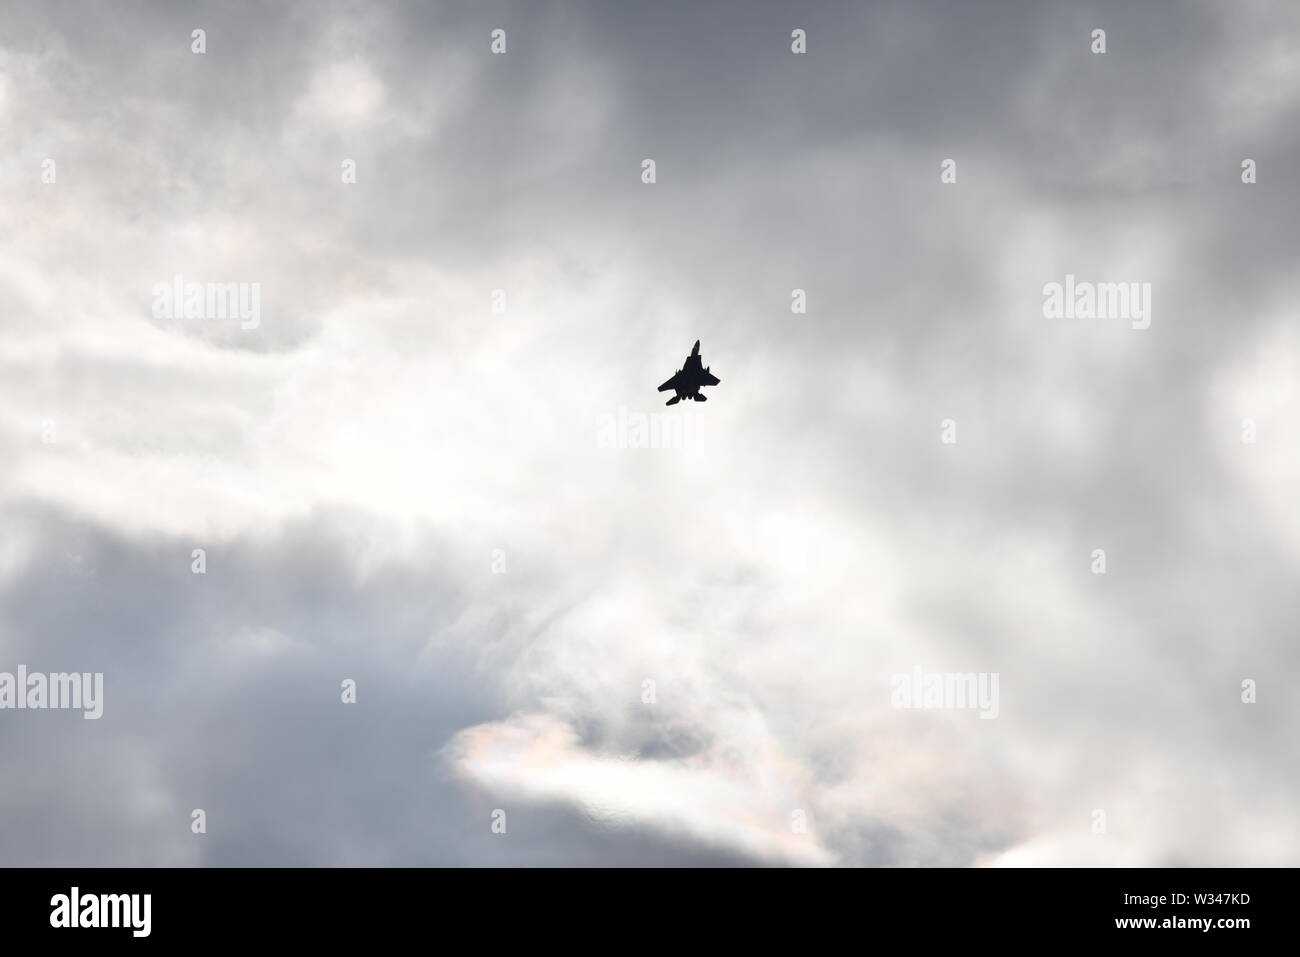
[675, 655]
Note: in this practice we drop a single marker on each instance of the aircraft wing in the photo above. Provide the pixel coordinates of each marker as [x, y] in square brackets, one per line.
[671, 383]
[710, 378]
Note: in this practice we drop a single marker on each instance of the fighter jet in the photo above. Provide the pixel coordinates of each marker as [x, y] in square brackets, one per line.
[688, 380]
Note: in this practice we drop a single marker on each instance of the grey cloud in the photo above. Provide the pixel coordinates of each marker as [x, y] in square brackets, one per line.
[354, 462]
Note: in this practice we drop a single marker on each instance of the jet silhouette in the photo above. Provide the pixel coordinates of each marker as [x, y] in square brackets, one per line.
[686, 382]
